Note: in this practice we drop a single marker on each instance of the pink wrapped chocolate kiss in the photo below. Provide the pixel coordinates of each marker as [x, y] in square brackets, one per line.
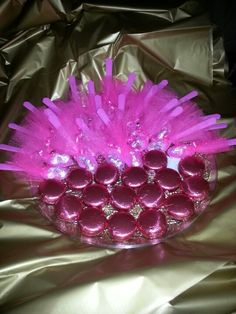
[191, 166]
[92, 222]
[68, 208]
[134, 177]
[78, 179]
[152, 223]
[51, 190]
[95, 195]
[106, 174]
[123, 197]
[155, 159]
[122, 226]
[150, 195]
[179, 207]
[168, 179]
[196, 188]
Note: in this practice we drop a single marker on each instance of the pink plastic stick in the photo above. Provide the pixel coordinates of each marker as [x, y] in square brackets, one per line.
[161, 85]
[50, 104]
[215, 116]
[121, 102]
[108, 63]
[98, 101]
[218, 126]
[91, 88]
[19, 128]
[9, 167]
[232, 142]
[103, 116]
[29, 106]
[176, 112]
[73, 87]
[10, 148]
[155, 89]
[130, 81]
[188, 97]
[53, 119]
[198, 127]
[81, 124]
[170, 105]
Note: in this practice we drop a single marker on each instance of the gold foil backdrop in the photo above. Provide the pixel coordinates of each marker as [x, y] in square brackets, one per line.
[42, 271]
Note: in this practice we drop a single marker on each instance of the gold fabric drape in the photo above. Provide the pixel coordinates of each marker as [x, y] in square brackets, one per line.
[42, 271]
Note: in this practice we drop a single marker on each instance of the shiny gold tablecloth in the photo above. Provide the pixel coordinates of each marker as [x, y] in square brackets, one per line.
[42, 271]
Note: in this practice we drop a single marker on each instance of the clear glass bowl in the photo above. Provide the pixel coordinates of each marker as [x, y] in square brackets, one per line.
[104, 240]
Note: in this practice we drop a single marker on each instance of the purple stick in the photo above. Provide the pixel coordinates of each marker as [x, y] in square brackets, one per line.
[108, 64]
[50, 104]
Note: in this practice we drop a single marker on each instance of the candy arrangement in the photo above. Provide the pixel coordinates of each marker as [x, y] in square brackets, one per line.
[118, 167]
[140, 201]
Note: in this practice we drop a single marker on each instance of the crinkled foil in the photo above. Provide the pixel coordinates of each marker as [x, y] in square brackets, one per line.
[42, 271]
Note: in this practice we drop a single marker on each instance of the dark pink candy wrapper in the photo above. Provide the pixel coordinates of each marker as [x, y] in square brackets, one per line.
[78, 178]
[68, 208]
[179, 207]
[155, 160]
[123, 197]
[168, 179]
[92, 222]
[106, 174]
[196, 188]
[191, 166]
[152, 224]
[134, 177]
[51, 191]
[151, 195]
[122, 226]
[95, 195]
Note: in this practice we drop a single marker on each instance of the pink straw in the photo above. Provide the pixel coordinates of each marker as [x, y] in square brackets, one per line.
[81, 124]
[50, 104]
[73, 87]
[29, 106]
[218, 126]
[170, 105]
[176, 112]
[188, 97]
[91, 88]
[198, 127]
[103, 116]
[9, 167]
[215, 116]
[121, 102]
[53, 119]
[232, 142]
[18, 128]
[130, 81]
[10, 148]
[155, 89]
[98, 101]
[108, 65]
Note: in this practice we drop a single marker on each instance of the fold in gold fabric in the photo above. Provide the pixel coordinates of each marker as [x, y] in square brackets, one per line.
[42, 271]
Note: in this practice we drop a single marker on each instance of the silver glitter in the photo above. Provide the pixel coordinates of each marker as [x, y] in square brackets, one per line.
[136, 210]
[155, 145]
[136, 160]
[57, 173]
[117, 162]
[87, 163]
[151, 176]
[108, 210]
[58, 159]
